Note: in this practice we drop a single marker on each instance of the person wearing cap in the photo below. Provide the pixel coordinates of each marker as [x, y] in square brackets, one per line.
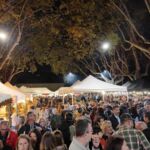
[134, 138]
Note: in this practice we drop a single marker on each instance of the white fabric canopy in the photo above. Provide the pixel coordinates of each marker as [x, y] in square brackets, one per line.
[76, 83]
[92, 84]
[64, 90]
[40, 90]
[20, 97]
[12, 86]
[4, 97]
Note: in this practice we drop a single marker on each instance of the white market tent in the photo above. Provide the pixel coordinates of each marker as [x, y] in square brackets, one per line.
[20, 97]
[64, 90]
[92, 84]
[76, 83]
[36, 91]
[4, 96]
[12, 86]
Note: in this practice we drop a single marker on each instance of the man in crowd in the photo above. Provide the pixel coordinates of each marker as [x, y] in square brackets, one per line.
[146, 108]
[114, 118]
[30, 124]
[134, 138]
[83, 135]
[8, 137]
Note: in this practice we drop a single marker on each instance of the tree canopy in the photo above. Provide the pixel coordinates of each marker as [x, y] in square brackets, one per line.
[67, 35]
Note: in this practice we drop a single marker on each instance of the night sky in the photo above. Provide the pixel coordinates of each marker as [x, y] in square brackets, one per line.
[43, 75]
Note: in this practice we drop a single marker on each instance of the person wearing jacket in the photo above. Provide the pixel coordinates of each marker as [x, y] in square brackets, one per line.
[7, 136]
[30, 124]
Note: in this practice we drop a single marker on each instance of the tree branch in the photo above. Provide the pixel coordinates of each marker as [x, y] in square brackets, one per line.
[129, 20]
[12, 48]
[147, 3]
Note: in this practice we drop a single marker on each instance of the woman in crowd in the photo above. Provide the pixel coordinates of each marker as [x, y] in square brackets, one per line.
[116, 143]
[48, 141]
[43, 125]
[107, 131]
[24, 143]
[59, 140]
[35, 136]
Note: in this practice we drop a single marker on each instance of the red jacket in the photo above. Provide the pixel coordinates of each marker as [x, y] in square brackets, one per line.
[12, 139]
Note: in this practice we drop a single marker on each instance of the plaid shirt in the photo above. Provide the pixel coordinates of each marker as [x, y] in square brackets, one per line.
[134, 138]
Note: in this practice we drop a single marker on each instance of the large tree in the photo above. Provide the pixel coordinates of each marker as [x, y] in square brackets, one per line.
[67, 34]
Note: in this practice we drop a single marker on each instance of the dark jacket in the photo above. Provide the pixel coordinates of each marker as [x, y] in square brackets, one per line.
[147, 133]
[114, 121]
[25, 129]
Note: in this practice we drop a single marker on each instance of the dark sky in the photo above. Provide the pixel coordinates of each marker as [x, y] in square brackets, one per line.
[43, 75]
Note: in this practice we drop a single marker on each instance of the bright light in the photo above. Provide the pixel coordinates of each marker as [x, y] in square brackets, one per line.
[103, 92]
[105, 46]
[3, 36]
[70, 78]
[70, 74]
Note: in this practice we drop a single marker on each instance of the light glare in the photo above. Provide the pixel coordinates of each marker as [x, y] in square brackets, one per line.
[105, 45]
[3, 36]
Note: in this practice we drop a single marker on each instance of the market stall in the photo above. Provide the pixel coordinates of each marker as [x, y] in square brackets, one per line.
[94, 85]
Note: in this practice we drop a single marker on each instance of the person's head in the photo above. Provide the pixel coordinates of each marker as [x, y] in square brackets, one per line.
[126, 120]
[22, 120]
[59, 137]
[140, 125]
[147, 105]
[24, 143]
[147, 117]
[42, 122]
[106, 127]
[4, 127]
[116, 143]
[48, 141]
[116, 110]
[69, 117]
[96, 135]
[83, 130]
[35, 135]
[31, 117]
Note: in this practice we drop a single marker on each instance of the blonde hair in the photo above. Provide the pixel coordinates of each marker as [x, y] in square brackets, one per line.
[24, 136]
[105, 124]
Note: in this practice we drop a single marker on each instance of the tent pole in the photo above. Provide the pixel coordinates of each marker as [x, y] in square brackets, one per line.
[16, 106]
[127, 96]
[63, 99]
[9, 114]
[72, 99]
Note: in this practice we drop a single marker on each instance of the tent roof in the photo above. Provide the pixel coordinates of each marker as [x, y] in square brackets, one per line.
[64, 90]
[92, 84]
[4, 97]
[76, 83]
[4, 89]
[40, 90]
[12, 86]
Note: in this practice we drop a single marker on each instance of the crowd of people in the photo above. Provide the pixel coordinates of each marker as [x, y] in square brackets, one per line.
[88, 125]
